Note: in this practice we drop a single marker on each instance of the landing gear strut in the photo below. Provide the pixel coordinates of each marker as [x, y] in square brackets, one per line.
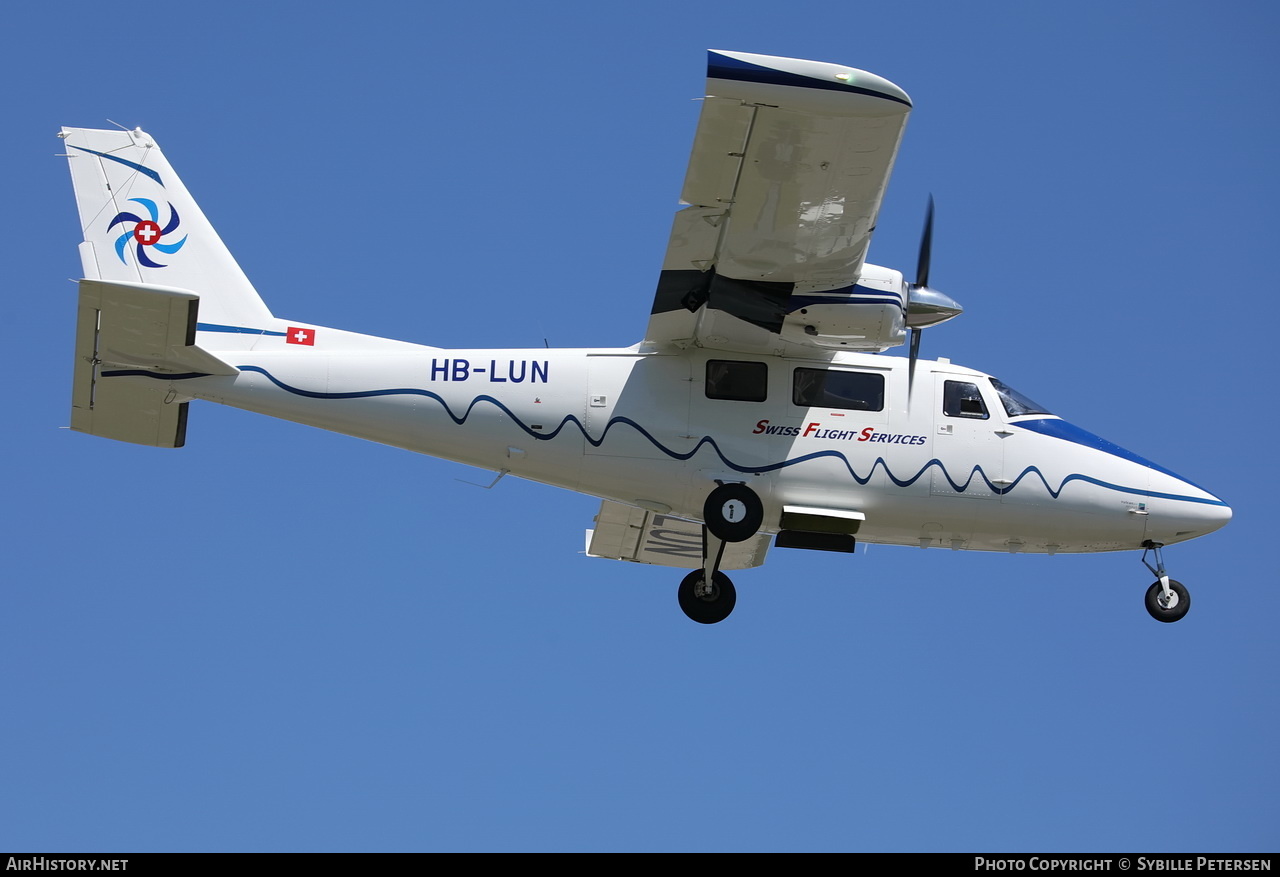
[733, 513]
[1167, 599]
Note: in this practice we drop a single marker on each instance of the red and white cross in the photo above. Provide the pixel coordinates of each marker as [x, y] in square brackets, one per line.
[146, 232]
[296, 335]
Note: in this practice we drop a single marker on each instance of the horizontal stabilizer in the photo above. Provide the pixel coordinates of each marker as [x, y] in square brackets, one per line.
[125, 331]
[624, 532]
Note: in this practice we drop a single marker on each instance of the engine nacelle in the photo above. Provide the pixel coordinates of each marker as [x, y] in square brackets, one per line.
[868, 316]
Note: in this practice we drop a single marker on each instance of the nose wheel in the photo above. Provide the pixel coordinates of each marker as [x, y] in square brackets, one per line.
[1170, 606]
[1167, 599]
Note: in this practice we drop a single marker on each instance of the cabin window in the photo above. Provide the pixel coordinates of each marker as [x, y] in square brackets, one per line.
[819, 388]
[1015, 404]
[737, 381]
[963, 399]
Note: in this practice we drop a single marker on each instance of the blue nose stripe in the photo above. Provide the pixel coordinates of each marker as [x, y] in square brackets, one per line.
[1057, 428]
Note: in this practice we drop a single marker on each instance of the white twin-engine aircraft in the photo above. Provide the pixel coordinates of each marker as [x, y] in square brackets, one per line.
[756, 410]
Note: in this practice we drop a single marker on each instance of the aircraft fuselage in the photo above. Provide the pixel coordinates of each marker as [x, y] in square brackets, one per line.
[639, 428]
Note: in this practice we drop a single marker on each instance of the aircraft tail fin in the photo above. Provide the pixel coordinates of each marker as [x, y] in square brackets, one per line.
[141, 225]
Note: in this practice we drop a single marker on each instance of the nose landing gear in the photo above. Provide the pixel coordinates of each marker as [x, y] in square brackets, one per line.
[1167, 599]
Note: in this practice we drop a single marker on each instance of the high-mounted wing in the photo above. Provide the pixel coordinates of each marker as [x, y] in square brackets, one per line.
[789, 166]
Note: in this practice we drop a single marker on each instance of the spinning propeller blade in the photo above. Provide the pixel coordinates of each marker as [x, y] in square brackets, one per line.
[926, 247]
[922, 282]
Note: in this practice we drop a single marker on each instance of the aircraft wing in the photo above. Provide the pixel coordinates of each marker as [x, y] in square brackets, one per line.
[624, 532]
[790, 162]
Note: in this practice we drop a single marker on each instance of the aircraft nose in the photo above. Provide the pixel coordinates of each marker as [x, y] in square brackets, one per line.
[1216, 517]
[1185, 519]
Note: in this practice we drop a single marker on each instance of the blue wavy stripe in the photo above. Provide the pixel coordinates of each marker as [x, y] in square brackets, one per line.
[173, 221]
[849, 290]
[120, 244]
[238, 330]
[1061, 429]
[958, 486]
[795, 303]
[151, 208]
[171, 248]
[137, 167]
[145, 260]
[855, 295]
[142, 373]
[124, 217]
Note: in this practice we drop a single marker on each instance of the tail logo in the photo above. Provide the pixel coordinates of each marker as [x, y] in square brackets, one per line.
[147, 233]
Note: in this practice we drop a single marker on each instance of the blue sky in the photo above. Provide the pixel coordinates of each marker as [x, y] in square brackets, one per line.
[282, 639]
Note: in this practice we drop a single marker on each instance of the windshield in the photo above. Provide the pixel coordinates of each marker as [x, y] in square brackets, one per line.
[1016, 404]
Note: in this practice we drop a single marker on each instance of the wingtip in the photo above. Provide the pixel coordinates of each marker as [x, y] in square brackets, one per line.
[798, 72]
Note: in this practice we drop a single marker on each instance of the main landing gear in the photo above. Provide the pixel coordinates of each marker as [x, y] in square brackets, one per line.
[707, 605]
[1167, 599]
[733, 513]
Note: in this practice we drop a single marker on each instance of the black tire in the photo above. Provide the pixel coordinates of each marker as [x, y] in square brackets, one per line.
[712, 608]
[1181, 602]
[733, 512]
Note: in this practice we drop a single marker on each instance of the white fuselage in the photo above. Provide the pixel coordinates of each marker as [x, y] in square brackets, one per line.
[638, 428]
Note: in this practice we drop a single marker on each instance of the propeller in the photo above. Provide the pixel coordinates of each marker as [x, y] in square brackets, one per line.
[922, 282]
[925, 306]
[926, 247]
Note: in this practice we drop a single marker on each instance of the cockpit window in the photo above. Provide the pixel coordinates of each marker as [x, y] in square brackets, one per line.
[963, 399]
[1016, 404]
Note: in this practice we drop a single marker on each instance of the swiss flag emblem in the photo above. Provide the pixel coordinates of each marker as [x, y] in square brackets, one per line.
[301, 336]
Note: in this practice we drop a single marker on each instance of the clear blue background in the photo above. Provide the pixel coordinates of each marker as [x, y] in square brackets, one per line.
[282, 639]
